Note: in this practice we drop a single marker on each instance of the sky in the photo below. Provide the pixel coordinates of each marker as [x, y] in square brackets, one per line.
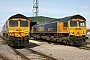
[48, 8]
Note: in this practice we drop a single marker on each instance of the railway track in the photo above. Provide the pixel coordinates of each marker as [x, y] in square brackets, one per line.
[86, 46]
[29, 54]
[40, 54]
[2, 57]
[20, 54]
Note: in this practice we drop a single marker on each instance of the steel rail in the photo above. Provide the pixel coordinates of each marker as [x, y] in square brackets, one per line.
[20, 54]
[41, 54]
[85, 46]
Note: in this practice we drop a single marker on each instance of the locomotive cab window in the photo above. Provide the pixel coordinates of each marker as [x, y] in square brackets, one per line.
[13, 23]
[73, 23]
[24, 23]
[82, 24]
[65, 24]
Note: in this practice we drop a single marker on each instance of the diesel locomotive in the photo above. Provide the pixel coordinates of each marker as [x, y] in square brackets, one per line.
[16, 30]
[70, 30]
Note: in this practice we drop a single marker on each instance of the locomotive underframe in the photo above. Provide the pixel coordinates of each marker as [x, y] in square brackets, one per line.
[16, 41]
[77, 40]
[61, 38]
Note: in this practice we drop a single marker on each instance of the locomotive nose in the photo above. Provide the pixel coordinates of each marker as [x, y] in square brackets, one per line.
[19, 34]
[78, 32]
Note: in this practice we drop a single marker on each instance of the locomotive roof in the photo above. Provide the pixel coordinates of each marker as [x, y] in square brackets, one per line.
[45, 23]
[70, 17]
[63, 19]
[18, 16]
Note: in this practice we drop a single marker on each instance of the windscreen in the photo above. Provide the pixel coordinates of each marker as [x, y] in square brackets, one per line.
[82, 23]
[23, 23]
[13, 23]
[73, 23]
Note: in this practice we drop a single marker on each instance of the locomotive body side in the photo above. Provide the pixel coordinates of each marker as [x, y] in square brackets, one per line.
[70, 30]
[4, 31]
[46, 28]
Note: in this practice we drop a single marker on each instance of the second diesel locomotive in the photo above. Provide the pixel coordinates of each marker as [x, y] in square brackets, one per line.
[70, 30]
[16, 30]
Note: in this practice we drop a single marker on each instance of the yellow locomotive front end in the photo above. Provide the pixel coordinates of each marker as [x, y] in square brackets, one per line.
[18, 30]
[77, 28]
[77, 31]
[72, 29]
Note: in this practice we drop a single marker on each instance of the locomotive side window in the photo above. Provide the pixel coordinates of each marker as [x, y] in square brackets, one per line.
[24, 23]
[13, 23]
[73, 23]
[65, 24]
[81, 23]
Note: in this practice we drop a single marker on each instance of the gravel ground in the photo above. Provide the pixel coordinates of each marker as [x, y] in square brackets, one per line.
[7, 52]
[30, 55]
[59, 52]
[62, 52]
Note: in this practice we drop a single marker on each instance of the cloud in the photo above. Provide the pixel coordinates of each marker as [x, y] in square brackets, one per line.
[84, 7]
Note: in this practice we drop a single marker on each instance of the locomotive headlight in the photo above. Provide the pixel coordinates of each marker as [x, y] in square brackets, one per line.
[10, 34]
[71, 33]
[26, 33]
[84, 33]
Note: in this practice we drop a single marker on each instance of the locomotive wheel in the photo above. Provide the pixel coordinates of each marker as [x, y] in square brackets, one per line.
[67, 42]
[8, 42]
[57, 40]
[48, 38]
[70, 42]
[82, 42]
[35, 37]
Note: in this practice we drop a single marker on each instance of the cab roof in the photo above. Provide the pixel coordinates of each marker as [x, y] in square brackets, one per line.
[18, 16]
[70, 17]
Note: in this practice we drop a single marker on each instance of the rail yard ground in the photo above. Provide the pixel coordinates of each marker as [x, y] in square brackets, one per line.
[7, 52]
[20, 53]
[60, 52]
